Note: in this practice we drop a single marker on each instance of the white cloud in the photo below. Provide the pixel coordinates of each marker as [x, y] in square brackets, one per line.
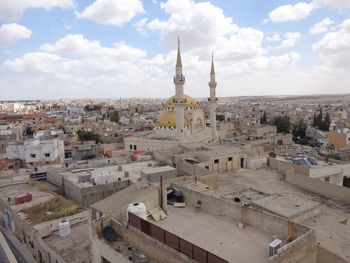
[11, 10]
[333, 4]
[333, 48]
[286, 13]
[74, 66]
[290, 39]
[321, 26]
[273, 38]
[112, 12]
[78, 46]
[11, 33]
[197, 23]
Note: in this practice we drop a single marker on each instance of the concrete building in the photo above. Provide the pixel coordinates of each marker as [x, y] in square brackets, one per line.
[35, 223]
[324, 172]
[233, 232]
[89, 185]
[36, 153]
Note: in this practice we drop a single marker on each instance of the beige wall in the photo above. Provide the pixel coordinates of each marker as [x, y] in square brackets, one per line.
[301, 249]
[317, 186]
[337, 139]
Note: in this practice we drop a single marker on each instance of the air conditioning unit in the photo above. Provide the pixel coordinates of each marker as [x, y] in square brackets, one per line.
[273, 246]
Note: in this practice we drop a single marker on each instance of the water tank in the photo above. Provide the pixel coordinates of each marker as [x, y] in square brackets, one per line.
[138, 209]
[64, 228]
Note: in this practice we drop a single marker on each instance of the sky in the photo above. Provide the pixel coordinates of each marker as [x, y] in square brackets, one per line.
[57, 49]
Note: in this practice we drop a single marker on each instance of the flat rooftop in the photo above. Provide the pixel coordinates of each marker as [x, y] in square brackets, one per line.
[287, 205]
[152, 170]
[333, 235]
[226, 240]
[74, 248]
[38, 196]
[134, 170]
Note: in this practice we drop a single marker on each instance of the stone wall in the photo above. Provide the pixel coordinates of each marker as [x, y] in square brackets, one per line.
[339, 193]
[301, 249]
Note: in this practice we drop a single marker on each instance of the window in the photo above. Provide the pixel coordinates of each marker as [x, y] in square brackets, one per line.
[207, 167]
[32, 155]
[130, 147]
[135, 148]
[229, 159]
[31, 163]
[216, 161]
[326, 179]
[47, 154]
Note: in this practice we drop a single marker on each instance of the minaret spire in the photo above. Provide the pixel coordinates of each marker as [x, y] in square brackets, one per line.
[178, 59]
[179, 81]
[212, 101]
[212, 71]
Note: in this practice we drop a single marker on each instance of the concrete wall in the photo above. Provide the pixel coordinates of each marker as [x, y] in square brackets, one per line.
[346, 170]
[323, 171]
[339, 140]
[88, 195]
[232, 212]
[339, 193]
[143, 144]
[102, 249]
[281, 165]
[302, 249]
[256, 162]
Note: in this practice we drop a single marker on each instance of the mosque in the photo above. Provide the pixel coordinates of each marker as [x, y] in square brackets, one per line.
[181, 120]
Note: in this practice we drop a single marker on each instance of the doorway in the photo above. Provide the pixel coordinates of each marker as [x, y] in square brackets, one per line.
[242, 162]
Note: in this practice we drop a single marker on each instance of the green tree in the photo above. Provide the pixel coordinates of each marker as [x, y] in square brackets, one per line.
[319, 119]
[220, 117]
[263, 119]
[114, 116]
[89, 136]
[299, 132]
[91, 107]
[282, 123]
[326, 123]
[314, 121]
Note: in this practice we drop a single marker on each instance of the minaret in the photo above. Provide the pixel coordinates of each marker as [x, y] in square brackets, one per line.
[212, 102]
[179, 81]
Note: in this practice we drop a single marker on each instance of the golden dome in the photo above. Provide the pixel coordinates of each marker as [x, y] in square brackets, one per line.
[168, 119]
[189, 102]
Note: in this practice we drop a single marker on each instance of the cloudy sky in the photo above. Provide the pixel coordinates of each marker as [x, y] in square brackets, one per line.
[126, 48]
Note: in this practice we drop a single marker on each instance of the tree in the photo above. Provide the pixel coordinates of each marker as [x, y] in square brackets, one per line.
[114, 116]
[91, 107]
[89, 136]
[326, 123]
[319, 119]
[263, 119]
[282, 123]
[299, 132]
[314, 121]
[220, 117]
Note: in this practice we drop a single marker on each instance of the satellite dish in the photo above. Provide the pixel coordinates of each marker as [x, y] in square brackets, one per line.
[109, 234]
